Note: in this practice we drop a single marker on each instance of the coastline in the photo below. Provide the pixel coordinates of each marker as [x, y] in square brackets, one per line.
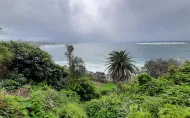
[95, 67]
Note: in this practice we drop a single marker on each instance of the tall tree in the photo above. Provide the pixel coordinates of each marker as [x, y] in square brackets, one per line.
[76, 64]
[69, 53]
[120, 66]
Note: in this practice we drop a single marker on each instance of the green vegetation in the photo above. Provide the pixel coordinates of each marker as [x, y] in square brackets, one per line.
[120, 66]
[106, 88]
[160, 67]
[5, 59]
[76, 64]
[33, 86]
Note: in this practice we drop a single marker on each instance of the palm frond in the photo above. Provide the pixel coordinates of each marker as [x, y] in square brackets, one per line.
[120, 66]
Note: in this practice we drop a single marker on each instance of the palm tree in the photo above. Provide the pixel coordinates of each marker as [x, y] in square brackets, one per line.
[120, 66]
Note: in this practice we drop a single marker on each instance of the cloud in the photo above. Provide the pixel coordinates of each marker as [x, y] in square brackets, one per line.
[95, 20]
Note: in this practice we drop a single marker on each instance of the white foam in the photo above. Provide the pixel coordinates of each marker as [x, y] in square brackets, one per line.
[63, 63]
[162, 43]
[94, 67]
[53, 46]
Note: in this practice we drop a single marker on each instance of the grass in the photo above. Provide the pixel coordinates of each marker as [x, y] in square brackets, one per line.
[105, 88]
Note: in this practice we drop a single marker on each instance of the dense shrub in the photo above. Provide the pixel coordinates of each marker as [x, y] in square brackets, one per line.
[51, 99]
[126, 105]
[106, 107]
[20, 78]
[154, 87]
[29, 60]
[107, 88]
[172, 111]
[19, 107]
[4, 108]
[85, 89]
[12, 81]
[159, 67]
[44, 103]
[5, 59]
[136, 112]
[153, 104]
[9, 84]
[57, 79]
[35, 64]
[180, 75]
[8, 107]
[150, 87]
[71, 111]
[177, 95]
[56, 102]
[144, 78]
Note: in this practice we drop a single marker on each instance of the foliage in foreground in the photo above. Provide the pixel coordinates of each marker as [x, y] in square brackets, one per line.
[84, 88]
[135, 101]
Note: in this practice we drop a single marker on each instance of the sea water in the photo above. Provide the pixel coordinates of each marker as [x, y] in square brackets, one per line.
[95, 54]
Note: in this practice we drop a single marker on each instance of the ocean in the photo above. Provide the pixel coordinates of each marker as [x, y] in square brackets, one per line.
[95, 54]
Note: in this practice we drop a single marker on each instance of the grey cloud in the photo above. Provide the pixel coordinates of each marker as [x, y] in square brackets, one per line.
[151, 19]
[95, 20]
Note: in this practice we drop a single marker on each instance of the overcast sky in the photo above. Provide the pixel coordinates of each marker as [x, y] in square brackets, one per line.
[95, 20]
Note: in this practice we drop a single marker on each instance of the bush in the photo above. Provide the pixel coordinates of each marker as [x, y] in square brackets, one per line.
[19, 107]
[20, 78]
[154, 87]
[107, 88]
[153, 104]
[172, 111]
[4, 110]
[106, 107]
[5, 60]
[85, 89]
[51, 99]
[143, 79]
[159, 67]
[9, 106]
[70, 96]
[9, 84]
[57, 79]
[136, 112]
[13, 81]
[35, 64]
[177, 95]
[151, 88]
[71, 111]
[180, 75]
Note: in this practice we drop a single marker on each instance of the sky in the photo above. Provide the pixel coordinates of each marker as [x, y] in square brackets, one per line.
[95, 20]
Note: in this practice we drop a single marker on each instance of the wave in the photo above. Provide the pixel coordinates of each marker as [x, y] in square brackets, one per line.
[53, 46]
[162, 43]
[95, 67]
